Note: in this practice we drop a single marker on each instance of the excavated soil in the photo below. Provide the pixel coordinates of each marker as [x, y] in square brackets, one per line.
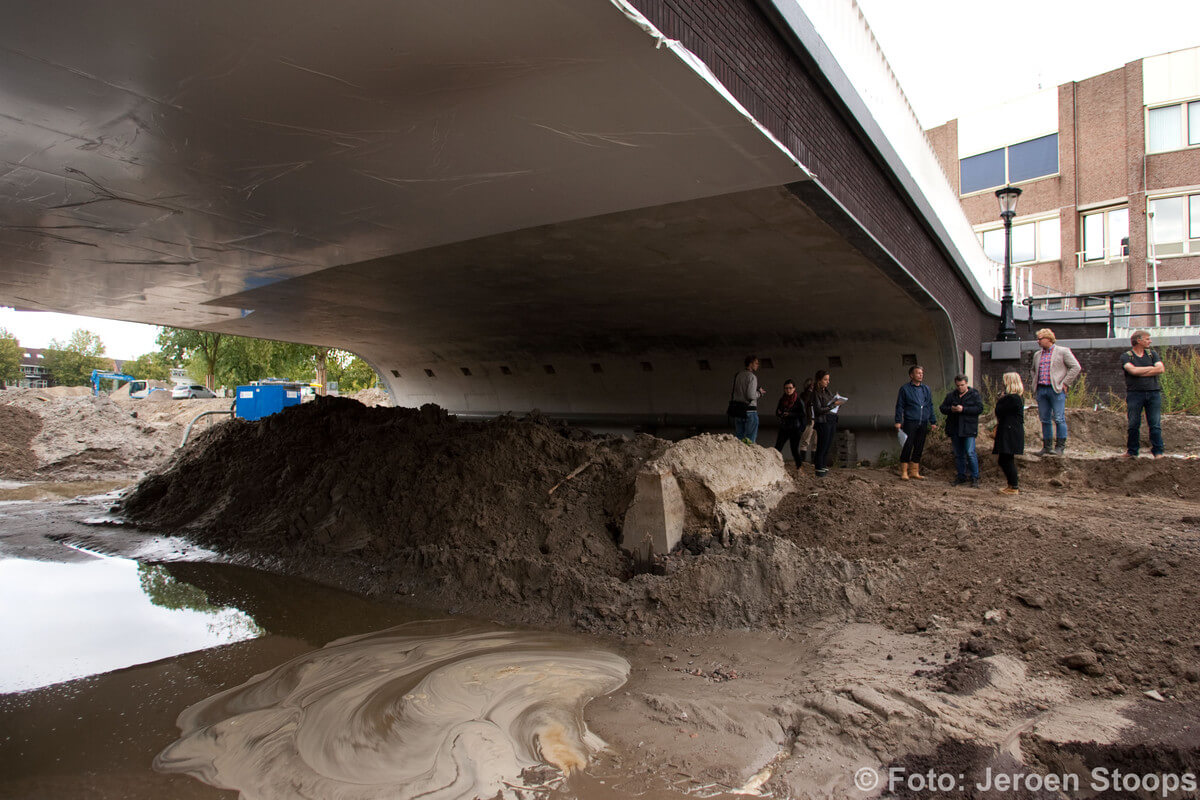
[510, 518]
[66, 434]
[862, 621]
[1090, 573]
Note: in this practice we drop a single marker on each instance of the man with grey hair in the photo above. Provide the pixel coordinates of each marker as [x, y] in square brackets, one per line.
[1054, 369]
[1142, 367]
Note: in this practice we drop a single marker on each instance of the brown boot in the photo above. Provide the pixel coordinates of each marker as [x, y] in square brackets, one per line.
[904, 470]
[915, 471]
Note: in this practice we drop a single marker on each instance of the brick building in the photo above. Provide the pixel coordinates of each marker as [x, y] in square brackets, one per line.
[1109, 169]
[35, 374]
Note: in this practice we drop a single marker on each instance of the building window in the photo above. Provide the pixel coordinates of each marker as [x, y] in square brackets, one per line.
[1173, 127]
[1175, 225]
[1179, 307]
[1036, 240]
[1024, 161]
[1106, 235]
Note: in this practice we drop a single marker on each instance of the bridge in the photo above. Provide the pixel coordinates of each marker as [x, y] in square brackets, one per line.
[595, 208]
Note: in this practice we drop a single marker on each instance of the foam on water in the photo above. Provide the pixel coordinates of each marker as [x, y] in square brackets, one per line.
[408, 712]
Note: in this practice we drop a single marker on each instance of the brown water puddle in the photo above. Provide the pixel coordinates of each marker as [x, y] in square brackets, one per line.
[326, 678]
[56, 490]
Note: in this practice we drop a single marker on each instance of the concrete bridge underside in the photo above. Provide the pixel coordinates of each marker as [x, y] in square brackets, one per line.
[501, 206]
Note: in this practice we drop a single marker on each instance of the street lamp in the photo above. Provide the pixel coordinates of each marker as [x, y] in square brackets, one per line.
[1008, 209]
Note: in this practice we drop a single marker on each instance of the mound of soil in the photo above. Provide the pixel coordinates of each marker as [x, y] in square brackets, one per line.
[67, 434]
[1093, 571]
[17, 429]
[481, 517]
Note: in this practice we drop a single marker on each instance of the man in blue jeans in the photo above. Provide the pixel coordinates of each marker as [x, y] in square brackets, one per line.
[962, 408]
[1054, 369]
[1142, 391]
[747, 390]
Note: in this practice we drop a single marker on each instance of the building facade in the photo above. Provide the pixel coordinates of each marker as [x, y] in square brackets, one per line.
[1109, 169]
[34, 372]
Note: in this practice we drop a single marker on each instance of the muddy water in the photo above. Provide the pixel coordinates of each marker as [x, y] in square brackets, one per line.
[275, 687]
[14, 491]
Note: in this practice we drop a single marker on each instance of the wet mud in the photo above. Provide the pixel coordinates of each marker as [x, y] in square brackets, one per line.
[425, 710]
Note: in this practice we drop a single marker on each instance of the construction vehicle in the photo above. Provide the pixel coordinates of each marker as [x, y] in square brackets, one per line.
[98, 375]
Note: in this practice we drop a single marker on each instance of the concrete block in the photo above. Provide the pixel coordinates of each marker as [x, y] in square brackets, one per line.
[654, 520]
[1003, 351]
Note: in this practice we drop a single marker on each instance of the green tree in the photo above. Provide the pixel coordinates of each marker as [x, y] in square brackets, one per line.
[148, 366]
[357, 376]
[164, 590]
[244, 360]
[71, 364]
[181, 346]
[10, 359]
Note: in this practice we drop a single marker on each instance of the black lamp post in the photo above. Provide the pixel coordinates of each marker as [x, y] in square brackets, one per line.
[1008, 209]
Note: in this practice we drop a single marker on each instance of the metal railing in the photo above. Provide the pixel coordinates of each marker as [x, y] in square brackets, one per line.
[1106, 256]
[1121, 311]
[1022, 282]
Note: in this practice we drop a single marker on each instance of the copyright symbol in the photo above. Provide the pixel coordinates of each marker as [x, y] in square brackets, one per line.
[866, 778]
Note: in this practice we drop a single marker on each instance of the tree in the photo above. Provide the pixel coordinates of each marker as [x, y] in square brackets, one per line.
[179, 346]
[148, 366]
[10, 359]
[357, 376]
[71, 364]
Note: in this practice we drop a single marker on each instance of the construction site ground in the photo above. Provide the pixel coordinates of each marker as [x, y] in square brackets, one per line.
[861, 622]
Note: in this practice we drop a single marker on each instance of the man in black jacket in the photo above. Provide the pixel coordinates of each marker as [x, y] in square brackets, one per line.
[962, 408]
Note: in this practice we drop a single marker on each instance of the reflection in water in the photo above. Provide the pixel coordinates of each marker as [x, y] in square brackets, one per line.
[64, 621]
[413, 711]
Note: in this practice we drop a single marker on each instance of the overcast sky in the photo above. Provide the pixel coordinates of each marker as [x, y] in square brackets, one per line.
[955, 56]
[951, 57]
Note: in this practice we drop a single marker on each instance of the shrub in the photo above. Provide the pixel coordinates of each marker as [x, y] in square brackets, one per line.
[1181, 382]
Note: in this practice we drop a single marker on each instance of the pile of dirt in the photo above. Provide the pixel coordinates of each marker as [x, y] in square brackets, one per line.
[17, 429]
[494, 518]
[67, 434]
[1092, 571]
[372, 397]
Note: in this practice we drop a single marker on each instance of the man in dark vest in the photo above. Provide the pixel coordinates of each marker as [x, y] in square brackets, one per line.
[1142, 391]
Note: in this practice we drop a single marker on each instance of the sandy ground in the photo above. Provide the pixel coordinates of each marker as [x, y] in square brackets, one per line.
[863, 622]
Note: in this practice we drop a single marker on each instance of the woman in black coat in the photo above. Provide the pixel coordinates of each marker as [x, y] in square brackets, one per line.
[823, 407]
[1010, 429]
[793, 419]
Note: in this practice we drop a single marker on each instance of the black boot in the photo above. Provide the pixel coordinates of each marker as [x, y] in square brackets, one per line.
[1046, 449]
[1060, 446]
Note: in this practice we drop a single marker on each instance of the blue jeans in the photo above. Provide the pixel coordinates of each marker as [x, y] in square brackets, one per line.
[1052, 407]
[1151, 401]
[965, 459]
[747, 428]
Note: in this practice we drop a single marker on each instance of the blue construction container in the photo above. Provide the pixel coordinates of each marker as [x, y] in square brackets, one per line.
[264, 399]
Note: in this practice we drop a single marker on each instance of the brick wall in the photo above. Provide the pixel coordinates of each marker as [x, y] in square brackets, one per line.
[1101, 123]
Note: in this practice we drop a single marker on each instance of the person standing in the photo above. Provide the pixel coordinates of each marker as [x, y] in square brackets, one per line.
[746, 390]
[809, 434]
[1142, 367]
[1053, 371]
[793, 419]
[824, 410]
[915, 416]
[962, 408]
[1010, 430]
